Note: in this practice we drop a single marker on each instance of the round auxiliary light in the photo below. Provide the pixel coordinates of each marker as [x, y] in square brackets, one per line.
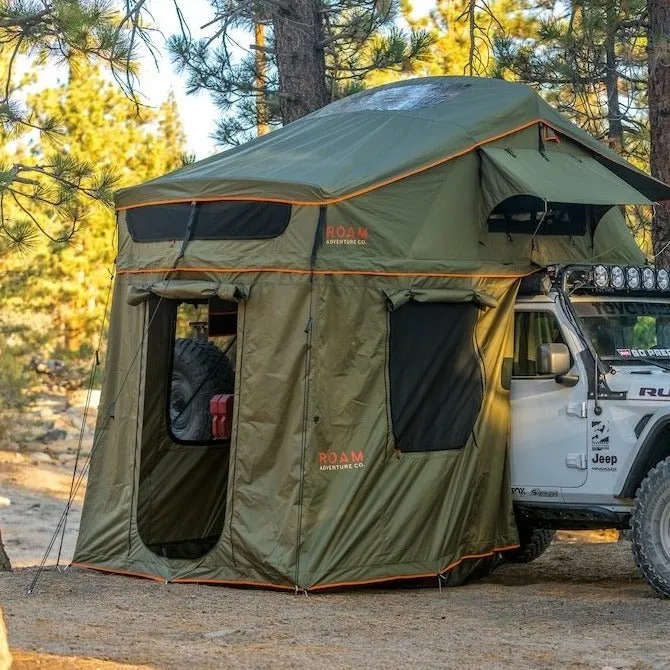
[648, 279]
[663, 279]
[618, 276]
[600, 276]
[633, 278]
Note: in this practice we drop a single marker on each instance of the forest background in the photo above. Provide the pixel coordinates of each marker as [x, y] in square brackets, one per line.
[66, 146]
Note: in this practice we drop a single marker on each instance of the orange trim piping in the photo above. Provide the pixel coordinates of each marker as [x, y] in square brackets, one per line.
[381, 580]
[115, 571]
[284, 587]
[352, 194]
[233, 582]
[180, 580]
[374, 273]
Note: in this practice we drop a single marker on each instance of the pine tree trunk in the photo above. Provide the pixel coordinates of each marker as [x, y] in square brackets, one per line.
[614, 116]
[659, 119]
[301, 62]
[5, 565]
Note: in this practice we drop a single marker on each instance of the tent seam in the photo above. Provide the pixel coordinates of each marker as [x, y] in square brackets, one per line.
[300, 271]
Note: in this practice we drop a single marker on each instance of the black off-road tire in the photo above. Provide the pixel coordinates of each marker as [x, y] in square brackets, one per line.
[533, 543]
[200, 370]
[650, 528]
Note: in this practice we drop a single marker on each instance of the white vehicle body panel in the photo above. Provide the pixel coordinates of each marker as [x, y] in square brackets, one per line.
[568, 449]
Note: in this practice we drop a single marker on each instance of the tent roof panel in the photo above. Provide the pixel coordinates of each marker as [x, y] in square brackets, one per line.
[370, 139]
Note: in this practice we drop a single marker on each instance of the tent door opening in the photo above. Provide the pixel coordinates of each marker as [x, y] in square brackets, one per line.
[187, 414]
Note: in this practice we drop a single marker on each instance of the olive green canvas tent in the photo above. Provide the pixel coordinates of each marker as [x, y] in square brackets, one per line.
[349, 280]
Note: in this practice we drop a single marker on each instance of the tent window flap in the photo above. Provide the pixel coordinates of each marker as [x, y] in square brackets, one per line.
[556, 177]
[436, 383]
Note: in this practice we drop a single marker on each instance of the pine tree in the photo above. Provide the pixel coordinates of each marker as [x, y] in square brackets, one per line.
[465, 32]
[589, 60]
[102, 128]
[468, 29]
[57, 32]
[316, 51]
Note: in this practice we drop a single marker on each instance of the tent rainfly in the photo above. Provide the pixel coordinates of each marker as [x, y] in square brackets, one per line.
[303, 378]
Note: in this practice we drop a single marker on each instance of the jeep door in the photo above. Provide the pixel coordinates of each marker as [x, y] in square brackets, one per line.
[549, 425]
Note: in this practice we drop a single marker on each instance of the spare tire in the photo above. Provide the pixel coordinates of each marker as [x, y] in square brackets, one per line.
[200, 370]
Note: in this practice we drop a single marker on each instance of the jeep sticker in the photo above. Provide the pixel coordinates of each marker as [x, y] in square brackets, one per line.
[605, 462]
[523, 492]
[643, 353]
[600, 434]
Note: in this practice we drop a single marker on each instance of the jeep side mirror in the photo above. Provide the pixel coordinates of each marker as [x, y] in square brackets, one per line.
[553, 359]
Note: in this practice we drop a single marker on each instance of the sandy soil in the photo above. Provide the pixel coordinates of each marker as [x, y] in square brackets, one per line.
[582, 605]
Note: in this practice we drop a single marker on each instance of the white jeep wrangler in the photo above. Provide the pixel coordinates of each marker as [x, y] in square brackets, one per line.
[590, 400]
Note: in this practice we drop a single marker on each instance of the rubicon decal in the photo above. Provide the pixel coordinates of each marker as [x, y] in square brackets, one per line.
[341, 460]
[654, 392]
[346, 235]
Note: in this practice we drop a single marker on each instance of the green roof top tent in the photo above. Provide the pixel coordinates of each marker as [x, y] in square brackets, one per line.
[364, 261]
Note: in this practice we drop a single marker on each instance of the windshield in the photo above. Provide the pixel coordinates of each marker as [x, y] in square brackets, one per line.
[625, 330]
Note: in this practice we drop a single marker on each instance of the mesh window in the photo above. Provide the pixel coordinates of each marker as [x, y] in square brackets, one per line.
[224, 220]
[435, 373]
[525, 214]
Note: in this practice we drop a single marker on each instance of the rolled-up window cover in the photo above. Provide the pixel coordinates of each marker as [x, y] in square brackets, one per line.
[398, 298]
[187, 290]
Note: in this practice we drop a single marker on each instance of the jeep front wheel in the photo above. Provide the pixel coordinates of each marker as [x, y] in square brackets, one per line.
[650, 525]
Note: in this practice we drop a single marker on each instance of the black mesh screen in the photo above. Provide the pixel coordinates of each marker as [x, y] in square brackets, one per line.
[526, 215]
[435, 375]
[223, 220]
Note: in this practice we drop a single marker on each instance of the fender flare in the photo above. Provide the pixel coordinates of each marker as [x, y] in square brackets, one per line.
[648, 455]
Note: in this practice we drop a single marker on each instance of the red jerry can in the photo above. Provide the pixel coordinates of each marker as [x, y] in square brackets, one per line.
[221, 409]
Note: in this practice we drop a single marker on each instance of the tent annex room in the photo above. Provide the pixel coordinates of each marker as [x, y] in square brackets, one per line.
[303, 382]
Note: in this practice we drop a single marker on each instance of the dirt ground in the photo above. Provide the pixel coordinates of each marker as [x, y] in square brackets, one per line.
[582, 605]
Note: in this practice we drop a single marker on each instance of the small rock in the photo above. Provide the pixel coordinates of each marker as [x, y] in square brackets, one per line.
[40, 457]
[62, 447]
[5, 502]
[53, 435]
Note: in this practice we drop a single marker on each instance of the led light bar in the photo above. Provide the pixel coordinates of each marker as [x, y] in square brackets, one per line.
[631, 278]
[618, 277]
[648, 279]
[601, 276]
